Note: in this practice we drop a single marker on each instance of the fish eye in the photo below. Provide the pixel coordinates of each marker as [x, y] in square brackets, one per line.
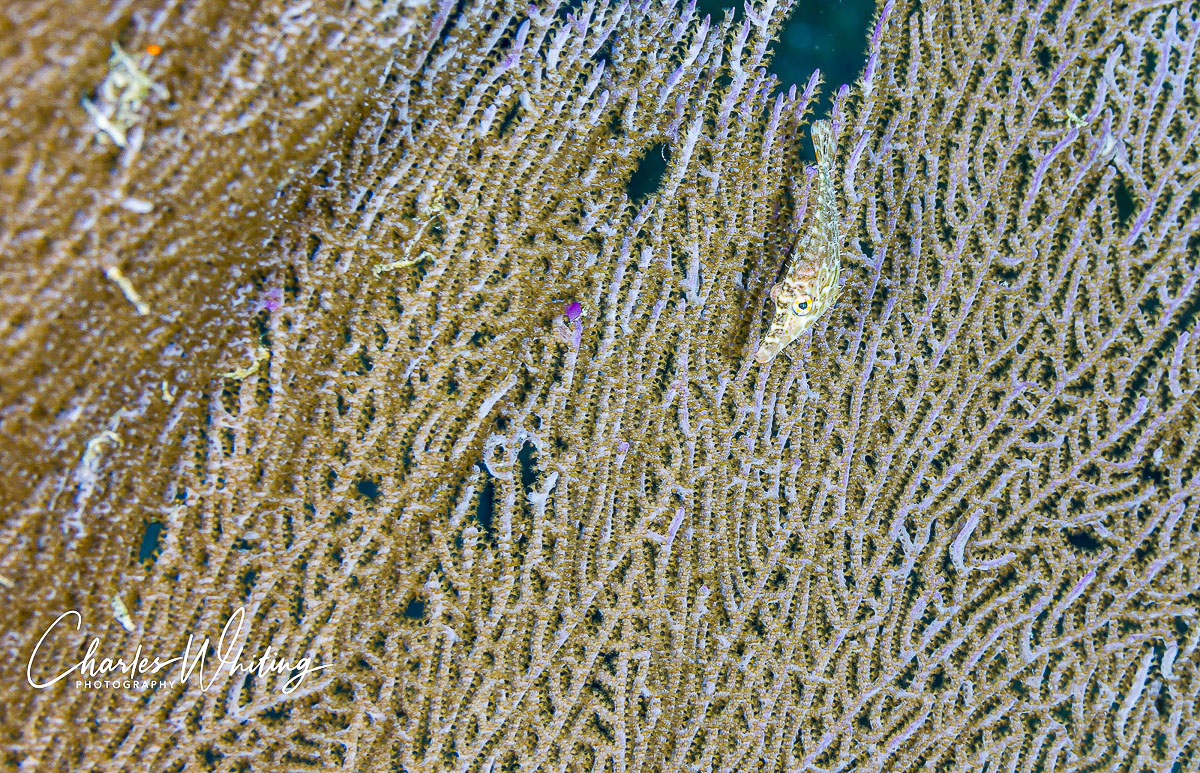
[801, 305]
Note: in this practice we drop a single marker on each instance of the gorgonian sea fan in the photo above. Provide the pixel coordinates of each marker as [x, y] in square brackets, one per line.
[952, 527]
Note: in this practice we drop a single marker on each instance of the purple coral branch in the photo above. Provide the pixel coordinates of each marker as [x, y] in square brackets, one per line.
[1079, 586]
[877, 34]
[518, 45]
[673, 529]
[809, 90]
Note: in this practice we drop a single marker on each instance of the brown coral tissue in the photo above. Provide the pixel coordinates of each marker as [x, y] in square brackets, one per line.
[368, 401]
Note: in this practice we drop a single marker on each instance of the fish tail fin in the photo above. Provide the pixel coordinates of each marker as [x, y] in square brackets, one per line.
[822, 137]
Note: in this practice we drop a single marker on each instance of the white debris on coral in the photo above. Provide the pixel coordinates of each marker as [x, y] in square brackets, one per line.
[120, 96]
[140, 206]
[238, 374]
[87, 473]
[114, 273]
[121, 612]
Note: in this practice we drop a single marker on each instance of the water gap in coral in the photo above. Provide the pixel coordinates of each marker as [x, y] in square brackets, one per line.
[826, 34]
[829, 35]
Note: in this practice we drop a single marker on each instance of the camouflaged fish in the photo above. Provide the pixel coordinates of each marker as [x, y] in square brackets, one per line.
[810, 287]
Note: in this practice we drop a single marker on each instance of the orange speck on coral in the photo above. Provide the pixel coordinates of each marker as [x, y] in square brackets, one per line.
[153, 49]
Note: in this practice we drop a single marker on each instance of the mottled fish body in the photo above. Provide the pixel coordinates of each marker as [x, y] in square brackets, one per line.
[810, 287]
